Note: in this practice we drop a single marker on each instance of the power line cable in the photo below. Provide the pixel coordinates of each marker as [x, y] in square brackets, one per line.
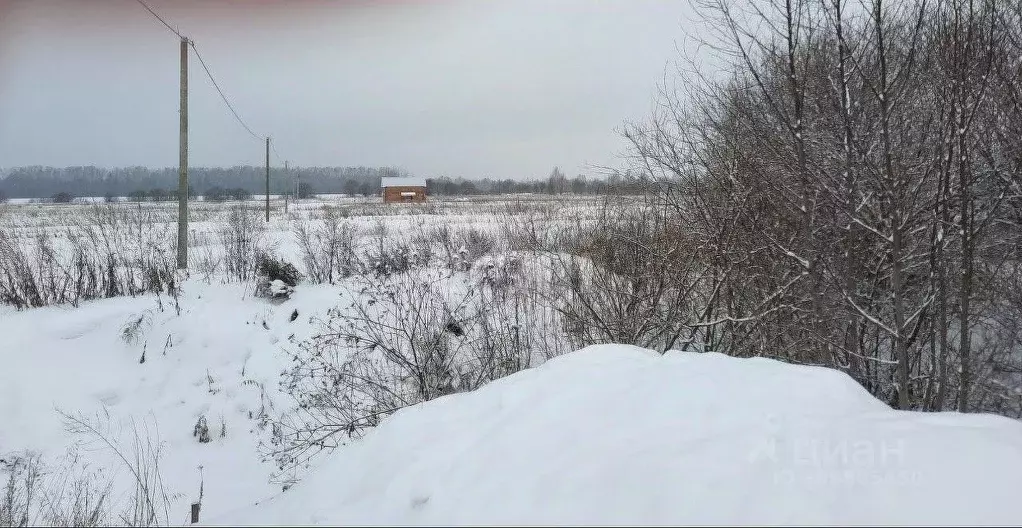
[182, 227]
[221, 92]
[158, 17]
[208, 74]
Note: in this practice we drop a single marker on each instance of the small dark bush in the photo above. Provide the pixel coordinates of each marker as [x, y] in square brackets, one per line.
[275, 279]
[63, 197]
[138, 195]
[159, 195]
[272, 269]
[239, 194]
[215, 194]
[305, 190]
[201, 430]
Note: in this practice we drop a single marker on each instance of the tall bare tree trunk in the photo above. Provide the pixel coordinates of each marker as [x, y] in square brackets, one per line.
[895, 190]
[850, 268]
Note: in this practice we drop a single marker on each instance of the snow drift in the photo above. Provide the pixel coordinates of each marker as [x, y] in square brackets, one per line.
[621, 435]
[220, 359]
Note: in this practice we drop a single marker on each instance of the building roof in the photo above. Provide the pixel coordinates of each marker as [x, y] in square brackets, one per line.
[410, 181]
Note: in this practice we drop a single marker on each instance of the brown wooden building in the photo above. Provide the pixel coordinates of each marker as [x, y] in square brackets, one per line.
[410, 189]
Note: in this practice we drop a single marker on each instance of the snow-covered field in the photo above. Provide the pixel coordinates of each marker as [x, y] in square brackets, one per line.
[608, 434]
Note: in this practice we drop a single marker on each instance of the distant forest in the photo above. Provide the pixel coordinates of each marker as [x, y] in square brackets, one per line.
[38, 182]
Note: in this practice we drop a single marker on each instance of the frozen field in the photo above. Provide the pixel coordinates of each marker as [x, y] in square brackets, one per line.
[95, 323]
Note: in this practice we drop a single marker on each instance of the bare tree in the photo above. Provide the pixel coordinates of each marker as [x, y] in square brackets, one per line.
[844, 180]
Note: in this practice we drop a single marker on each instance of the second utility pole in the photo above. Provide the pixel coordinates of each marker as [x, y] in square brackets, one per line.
[267, 179]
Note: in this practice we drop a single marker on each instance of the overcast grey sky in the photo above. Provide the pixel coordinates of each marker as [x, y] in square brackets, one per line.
[469, 88]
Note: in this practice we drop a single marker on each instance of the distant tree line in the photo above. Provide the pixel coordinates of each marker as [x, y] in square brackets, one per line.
[219, 194]
[556, 183]
[240, 183]
[161, 184]
[153, 195]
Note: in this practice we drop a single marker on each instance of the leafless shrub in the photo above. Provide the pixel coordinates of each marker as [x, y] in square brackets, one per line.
[102, 252]
[386, 257]
[328, 251]
[461, 246]
[403, 339]
[201, 430]
[149, 503]
[631, 280]
[135, 327]
[526, 228]
[69, 494]
[20, 494]
[82, 500]
[207, 262]
[240, 237]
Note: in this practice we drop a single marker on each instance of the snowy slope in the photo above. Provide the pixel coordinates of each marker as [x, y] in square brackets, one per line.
[620, 435]
[221, 358]
[605, 435]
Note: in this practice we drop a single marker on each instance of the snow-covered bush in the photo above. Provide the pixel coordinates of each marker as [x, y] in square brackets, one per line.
[391, 259]
[69, 491]
[35, 494]
[17, 502]
[148, 502]
[328, 250]
[276, 269]
[101, 251]
[464, 245]
[275, 278]
[201, 430]
[404, 339]
[275, 290]
[497, 272]
[632, 280]
[240, 236]
[135, 327]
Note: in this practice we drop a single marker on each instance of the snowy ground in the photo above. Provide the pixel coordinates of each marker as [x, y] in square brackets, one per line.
[604, 435]
[220, 359]
[617, 435]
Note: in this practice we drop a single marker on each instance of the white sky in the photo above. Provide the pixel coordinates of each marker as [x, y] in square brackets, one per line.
[469, 88]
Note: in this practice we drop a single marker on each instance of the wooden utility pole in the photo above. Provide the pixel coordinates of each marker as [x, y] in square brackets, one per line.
[182, 184]
[285, 192]
[267, 179]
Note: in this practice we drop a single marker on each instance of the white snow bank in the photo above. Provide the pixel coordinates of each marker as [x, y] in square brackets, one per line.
[220, 358]
[620, 435]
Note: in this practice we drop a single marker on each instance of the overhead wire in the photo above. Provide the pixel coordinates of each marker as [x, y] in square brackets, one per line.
[221, 92]
[158, 17]
[212, 79]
